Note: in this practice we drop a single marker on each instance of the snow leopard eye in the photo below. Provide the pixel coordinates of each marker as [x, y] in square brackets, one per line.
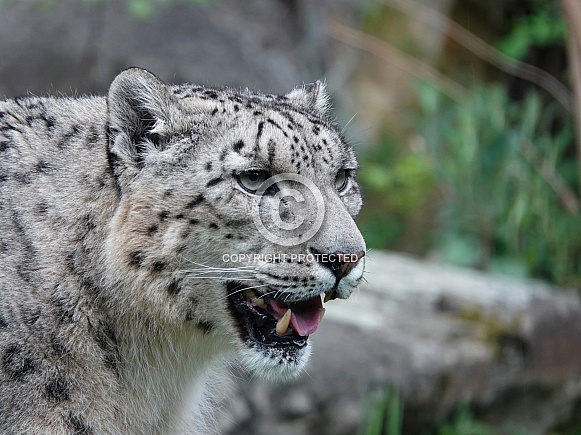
[342, 180]
[252, 179]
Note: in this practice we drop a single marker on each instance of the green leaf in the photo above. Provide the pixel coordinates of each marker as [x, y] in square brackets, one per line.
[141, 9]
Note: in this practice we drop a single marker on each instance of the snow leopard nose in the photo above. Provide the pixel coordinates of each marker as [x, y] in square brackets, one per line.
[340, 263]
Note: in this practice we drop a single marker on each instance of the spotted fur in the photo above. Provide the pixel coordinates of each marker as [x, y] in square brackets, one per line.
[115, 214]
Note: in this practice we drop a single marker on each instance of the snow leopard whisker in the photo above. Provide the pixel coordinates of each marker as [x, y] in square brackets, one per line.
[217, 278]
[217, 271]
[248, 288]
[205, 266]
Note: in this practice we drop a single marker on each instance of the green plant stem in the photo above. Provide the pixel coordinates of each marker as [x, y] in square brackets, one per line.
[567, 197]
[572, 13]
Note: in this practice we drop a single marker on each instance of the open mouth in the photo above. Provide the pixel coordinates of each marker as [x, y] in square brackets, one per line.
[271, 322]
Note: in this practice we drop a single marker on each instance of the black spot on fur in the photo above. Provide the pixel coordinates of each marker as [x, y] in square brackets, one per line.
[58, 346]
[271, 151]
[213, 225]
[196, 201]
[93, 137]
[238, 146]
[257, 113]
[89, 285]
[24, 272]
[212, 94]
[63, 308]
[259, 132]
[228, 236]
[274, 123]
[4, 145]
[58, 390]
[15, 364]
[236, 98]
[78, 424]
[236, 107]
[214, 181]
[89, 222]
[223, 154]
[214, 111]
[42, 207]
[112, 362]
[206, 327]
[71, 260]
[30, 316]
[3, 322]
[152, 229]
[106, 339]
[50, 122]
[136, 258]
[158, 266]
[23, 178]
[64, 141]
[208, 166]
[174, 288]
[193, 221]
[163, 215]
[168, 192]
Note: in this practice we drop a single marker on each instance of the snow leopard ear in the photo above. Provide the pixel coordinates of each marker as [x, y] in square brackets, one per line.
[312, 97]
[141, 111]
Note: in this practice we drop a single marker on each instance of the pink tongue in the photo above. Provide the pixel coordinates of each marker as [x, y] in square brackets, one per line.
[305, 317]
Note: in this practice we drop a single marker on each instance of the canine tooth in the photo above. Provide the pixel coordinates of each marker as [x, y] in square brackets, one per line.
[283, 322]
[259, 302]
[328, 297]
[322, 314]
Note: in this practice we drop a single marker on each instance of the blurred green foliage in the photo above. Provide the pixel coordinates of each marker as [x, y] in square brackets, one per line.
[463, 423]
[500, 211]
[543, 26]
[396, 185]
[144, 9]
[382, 412]
[486, 161]
[139, 9]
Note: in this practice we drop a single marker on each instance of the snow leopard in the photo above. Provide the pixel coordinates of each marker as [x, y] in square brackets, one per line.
[155, 236]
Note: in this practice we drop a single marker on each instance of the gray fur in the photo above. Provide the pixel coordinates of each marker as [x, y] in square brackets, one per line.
[107, 207]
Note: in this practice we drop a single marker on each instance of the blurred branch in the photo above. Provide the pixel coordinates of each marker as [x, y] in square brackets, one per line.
[395, 57]
[572, 13]
[487, 52]
[547, 171]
